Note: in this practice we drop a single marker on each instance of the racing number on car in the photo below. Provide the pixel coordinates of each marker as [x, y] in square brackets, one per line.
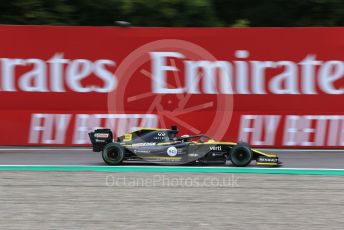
[172, 151]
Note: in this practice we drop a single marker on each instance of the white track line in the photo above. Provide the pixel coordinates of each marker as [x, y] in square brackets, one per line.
[185, 167]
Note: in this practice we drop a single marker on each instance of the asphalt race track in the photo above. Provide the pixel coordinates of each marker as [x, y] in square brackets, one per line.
[84, 156]
[92, 200]
[97, 200]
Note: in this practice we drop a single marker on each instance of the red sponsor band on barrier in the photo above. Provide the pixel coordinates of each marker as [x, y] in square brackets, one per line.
[53, 128]
[243, 76]
[292, 130]
[269, 87]
[239, 76]
[56, 74]
[261, 130]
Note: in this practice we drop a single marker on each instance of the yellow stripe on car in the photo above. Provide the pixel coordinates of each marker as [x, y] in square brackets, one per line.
[266, 163]
[264, 154]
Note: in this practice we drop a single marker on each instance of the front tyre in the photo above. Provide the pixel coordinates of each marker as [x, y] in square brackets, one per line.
[241, 155]
[113, 154]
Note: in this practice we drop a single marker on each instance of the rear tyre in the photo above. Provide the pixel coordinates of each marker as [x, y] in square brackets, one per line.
[241, 155]
[113, 154]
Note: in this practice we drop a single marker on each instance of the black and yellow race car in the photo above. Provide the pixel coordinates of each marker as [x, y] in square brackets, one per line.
[163, 146]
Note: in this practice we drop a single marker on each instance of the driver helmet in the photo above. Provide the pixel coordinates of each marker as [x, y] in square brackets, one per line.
[185, 138]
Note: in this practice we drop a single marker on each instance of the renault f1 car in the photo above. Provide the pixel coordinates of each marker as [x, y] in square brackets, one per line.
[164, 146]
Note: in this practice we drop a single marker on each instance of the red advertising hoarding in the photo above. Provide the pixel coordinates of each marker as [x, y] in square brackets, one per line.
[271, 87]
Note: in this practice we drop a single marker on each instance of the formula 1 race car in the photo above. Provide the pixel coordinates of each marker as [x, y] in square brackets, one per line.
[165, 147]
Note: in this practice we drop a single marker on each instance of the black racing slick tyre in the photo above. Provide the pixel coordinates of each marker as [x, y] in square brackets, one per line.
[241, 155]
[113, 154]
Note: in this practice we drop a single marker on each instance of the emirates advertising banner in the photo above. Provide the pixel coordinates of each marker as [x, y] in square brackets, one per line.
[270, 87]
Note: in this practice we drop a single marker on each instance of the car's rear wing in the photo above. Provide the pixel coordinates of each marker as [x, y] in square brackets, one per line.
[99, 138]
